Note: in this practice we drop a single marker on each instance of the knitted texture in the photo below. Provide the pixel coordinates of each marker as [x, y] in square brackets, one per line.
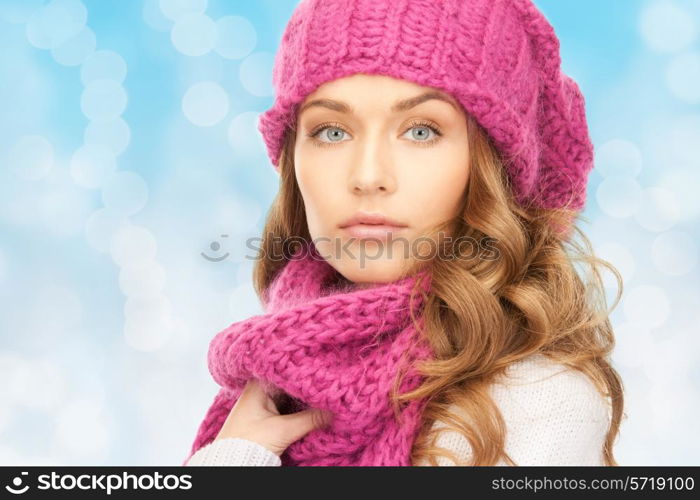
[553, 415]
[331, 348]
[499, 58]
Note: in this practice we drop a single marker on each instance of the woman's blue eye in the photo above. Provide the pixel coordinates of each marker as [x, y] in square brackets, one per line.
[424, 131]
[334, 132]
[323, 131]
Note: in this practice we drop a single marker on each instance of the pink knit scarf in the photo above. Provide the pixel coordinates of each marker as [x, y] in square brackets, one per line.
[335, 349]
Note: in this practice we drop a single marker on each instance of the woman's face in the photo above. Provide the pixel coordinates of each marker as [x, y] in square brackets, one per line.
[372, 143]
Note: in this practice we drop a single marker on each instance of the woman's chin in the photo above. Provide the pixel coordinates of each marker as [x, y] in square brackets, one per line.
[370, 272]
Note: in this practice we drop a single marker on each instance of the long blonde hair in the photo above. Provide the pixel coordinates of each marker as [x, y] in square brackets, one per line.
[481, 315]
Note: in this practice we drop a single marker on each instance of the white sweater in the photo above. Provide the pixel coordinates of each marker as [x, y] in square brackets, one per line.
[554, 415]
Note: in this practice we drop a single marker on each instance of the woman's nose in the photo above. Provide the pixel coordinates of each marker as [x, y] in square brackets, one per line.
[373, 171]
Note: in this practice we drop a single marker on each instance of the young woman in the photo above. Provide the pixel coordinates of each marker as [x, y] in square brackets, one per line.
[418, 267]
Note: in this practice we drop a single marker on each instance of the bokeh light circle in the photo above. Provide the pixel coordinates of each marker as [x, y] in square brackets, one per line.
[243, 135]
[103, 100]
[683, 77]
[658, 210]
[194, 35]
[92, 164]
[255, 74]
[675, 253]
[125, 192]
[619, 196]
[133, 245]
[76, 49]
[56, 22]
[205, 104]
[666, 27]
[235, 37]
[114, 134]
[142, 281]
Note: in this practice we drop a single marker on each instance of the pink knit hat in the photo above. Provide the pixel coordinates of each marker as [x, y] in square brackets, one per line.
[499, 58]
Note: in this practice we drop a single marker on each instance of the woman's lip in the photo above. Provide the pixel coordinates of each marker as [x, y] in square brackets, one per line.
[374, 231]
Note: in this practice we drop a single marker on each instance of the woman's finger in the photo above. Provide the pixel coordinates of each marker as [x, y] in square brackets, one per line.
[297, 425]
[249, 405]
[253, 395]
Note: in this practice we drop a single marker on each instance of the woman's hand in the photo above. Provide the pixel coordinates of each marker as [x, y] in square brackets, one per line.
[255, 417]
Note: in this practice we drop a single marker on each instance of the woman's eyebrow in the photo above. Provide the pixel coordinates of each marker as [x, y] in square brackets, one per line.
[398, 107]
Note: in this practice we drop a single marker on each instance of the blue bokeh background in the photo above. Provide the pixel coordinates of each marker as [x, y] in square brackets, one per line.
[129, 147]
